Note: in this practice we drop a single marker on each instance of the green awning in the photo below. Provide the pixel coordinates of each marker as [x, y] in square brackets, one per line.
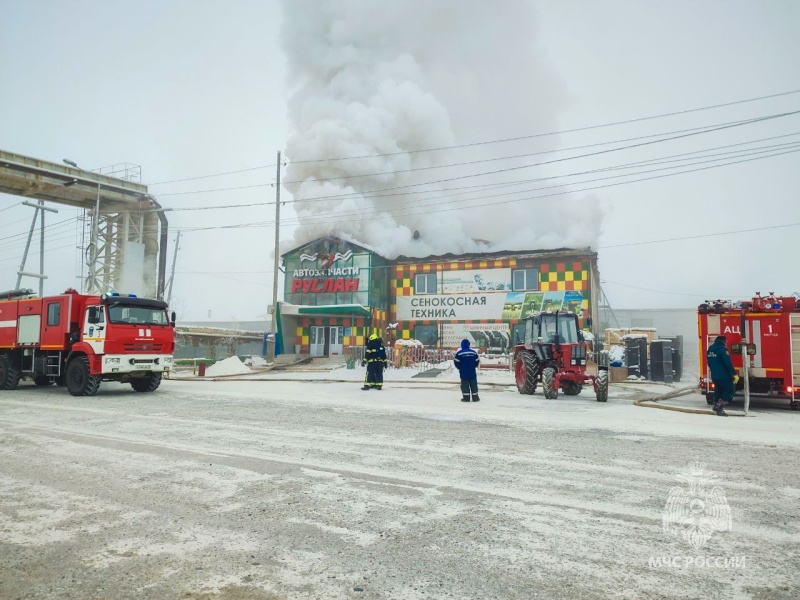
[352, 310]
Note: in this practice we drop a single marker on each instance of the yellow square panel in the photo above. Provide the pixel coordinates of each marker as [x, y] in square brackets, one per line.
[569, 276]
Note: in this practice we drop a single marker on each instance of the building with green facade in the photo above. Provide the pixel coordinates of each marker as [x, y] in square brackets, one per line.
[336, 293]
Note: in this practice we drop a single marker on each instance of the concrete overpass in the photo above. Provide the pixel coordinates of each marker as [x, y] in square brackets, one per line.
[132, 229]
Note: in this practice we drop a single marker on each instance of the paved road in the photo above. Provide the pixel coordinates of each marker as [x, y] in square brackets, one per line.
[318, 490]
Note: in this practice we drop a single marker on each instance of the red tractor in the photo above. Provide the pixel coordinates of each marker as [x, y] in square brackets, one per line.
[554, 352]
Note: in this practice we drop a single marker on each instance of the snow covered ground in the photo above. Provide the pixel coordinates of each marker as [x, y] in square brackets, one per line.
[297, 484]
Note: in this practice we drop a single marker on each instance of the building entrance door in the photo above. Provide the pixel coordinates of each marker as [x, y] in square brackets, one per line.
[336, 337]
[317, 341]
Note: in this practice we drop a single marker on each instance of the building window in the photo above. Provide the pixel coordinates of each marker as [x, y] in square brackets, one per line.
[525, 279]
[425, 283]
[53, 314]
[427, 334]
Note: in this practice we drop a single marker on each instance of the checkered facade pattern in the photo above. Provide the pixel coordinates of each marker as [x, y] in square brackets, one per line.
[359, 328]
[554, 276]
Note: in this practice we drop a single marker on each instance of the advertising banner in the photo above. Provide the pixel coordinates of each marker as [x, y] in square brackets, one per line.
[487, 280]
[450, 307]
[494, 336]
[488, 306]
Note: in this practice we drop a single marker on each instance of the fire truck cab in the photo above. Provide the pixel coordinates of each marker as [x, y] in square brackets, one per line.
[77, 340]
[770, 323]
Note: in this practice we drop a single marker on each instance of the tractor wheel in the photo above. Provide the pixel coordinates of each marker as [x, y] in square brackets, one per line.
[9, 374]
[41, 380]
[527, 372]
[149, 383]
[601, 386]
[710, 399]
[548, 383]
[79, 380]
[571, 388]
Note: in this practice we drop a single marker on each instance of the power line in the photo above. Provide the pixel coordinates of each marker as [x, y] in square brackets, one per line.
[685, 132]
[561, 132]
[358, 215]
[681, 135]
[214, 174]
[10, 207]
[599, 152]
[634, 287]
[482, 143]
[700, 236]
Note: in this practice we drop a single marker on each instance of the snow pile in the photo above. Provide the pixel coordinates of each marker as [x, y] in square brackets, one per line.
[617, 355]
[402, 342]
[255, 361]
[229, 366]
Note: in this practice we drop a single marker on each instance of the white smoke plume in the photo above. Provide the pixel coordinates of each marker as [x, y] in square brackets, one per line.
[384, 80]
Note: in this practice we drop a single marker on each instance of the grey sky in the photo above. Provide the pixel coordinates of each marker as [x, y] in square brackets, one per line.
[194, 88]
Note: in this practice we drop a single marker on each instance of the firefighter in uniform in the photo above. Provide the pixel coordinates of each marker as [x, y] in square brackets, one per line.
[723, 374]
[375, 357]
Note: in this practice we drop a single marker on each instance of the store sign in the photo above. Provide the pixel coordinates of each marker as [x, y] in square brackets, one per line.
[325, 260]
[318, 285]
[450, 307]
[329, 272]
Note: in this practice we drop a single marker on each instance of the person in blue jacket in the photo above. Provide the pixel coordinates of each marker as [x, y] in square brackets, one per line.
[466, 361]
[723, 374]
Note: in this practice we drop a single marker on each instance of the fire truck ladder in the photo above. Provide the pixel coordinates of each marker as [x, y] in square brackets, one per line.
[794, 341]
[52, 365]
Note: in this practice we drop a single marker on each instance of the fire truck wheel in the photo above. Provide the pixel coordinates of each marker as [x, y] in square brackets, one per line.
[795, 405]
[710, 399]
[149, 383]
[527, 373]
[79, 380]
[571, 388]
[41, 380]
[548, 383]
[601, 386]
[9, 375]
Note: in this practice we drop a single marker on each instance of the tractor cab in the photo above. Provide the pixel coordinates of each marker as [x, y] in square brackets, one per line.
[553, 352]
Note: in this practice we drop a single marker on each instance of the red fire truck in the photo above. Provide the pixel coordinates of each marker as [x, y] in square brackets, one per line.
[771, 326]
[80, 340]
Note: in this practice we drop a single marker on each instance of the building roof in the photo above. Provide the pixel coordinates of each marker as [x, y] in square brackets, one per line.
[553, 253]
[450, 257]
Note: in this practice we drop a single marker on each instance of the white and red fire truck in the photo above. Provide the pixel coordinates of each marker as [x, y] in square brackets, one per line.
[79, 340]
[771, 327]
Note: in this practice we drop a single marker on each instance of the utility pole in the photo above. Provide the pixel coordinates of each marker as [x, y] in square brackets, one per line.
[40, 275]
[172, 274]
[274, 308]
